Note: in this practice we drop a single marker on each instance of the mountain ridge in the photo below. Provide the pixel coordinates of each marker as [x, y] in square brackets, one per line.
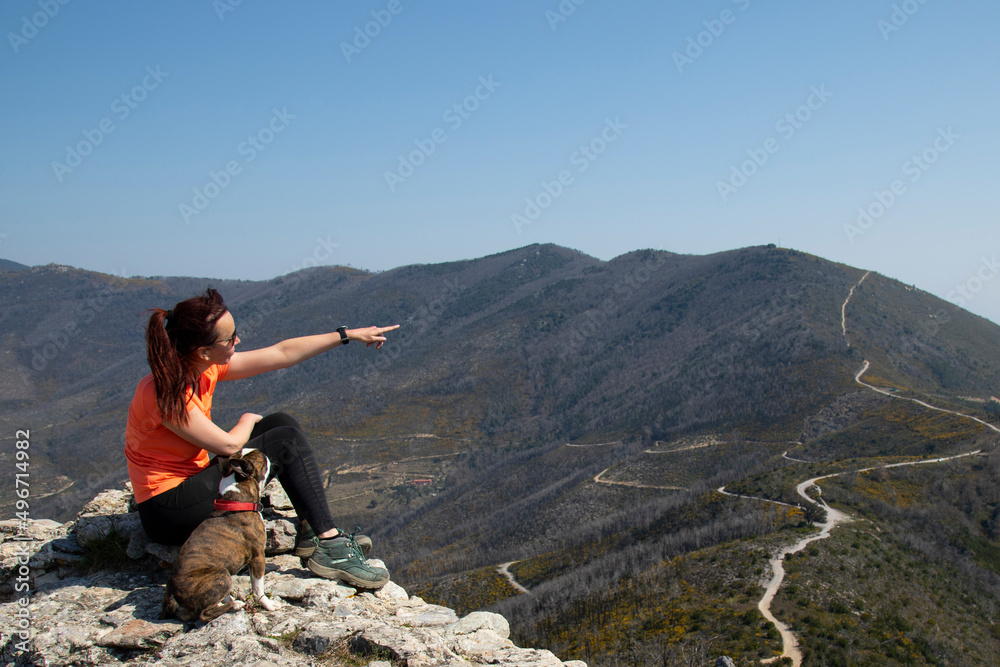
[502, 361]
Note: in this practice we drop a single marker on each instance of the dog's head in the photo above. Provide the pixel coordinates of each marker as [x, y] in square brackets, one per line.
[248, 464]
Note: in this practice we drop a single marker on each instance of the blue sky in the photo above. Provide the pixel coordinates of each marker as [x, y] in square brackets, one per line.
[247, 140]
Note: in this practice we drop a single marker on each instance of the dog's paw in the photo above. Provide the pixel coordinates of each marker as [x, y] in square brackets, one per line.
[238, 604]
[268, 603]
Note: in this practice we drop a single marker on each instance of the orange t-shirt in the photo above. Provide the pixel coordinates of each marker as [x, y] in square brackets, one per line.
[158, 458]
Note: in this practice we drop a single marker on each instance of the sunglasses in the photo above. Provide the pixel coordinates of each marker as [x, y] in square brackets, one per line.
[229, 342]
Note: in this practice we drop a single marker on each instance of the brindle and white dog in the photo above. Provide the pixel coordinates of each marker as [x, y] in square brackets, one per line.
[222, 545]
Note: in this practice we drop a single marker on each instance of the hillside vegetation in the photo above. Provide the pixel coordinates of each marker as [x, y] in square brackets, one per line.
[577, 417]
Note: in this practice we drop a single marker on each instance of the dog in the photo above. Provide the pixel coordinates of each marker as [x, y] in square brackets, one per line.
[222, 545]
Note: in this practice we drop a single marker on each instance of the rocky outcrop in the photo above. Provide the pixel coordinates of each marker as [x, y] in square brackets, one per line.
[56, 615]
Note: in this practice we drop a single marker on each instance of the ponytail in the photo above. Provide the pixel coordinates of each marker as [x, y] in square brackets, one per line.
[171, 337]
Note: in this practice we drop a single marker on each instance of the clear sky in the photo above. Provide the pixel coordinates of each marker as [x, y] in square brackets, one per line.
[248, 139]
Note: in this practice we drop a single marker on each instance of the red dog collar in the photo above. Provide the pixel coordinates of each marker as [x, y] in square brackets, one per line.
[237, 506]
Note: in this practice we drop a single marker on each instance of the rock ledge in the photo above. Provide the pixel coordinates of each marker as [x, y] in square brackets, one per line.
[56, 617]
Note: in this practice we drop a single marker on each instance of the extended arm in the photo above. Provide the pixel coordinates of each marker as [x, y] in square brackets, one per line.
[294, 350]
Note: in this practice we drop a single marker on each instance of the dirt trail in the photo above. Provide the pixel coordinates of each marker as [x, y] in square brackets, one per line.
[843, 308]
[698, 445]
[864, 369]
[505, 571]
[790, 646]
[635, 485]
[723, 491]
[834, 517]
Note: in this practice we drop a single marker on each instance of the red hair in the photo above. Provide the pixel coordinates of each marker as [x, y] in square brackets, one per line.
[171, 338]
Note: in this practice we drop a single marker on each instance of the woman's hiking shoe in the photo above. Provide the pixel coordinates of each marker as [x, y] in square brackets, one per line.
[306, 542]
[341, 558]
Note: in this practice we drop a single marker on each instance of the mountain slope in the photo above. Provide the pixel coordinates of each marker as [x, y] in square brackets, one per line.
[541, 405]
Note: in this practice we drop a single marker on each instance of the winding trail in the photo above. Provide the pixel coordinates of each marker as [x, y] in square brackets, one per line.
[785, 455]
[864, 369]
[790, 645]
[790, 648]
[505, 571]
[843, 308]
[710, 442]
[723, 491]
[635, 485]
[834, 518]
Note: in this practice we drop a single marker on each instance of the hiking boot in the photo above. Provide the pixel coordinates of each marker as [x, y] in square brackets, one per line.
[341, 558]
[306, 542]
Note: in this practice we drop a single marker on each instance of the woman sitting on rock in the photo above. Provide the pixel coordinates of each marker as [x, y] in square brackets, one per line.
[170, 433]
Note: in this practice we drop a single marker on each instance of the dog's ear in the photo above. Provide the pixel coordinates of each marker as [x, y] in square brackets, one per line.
[225, 465]
[242, 468]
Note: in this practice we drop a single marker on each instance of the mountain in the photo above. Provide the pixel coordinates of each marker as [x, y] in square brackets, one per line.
[543, 406]
[7, 265]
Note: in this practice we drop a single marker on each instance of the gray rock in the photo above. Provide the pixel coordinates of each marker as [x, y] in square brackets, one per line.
[427, 615]
[46, 579]
[96, 526]
[280, 536]
[112, 618]
[392, 592]
[519, 657]
[138, 634]
[275, 496]
[163, 552]
[137, 543]
[481, 620]
[108, 502]
[479, 643]
[725, 662]
[320, 638]
[67, 545]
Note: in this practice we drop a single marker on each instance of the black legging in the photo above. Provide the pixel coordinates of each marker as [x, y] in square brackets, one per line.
[171, 516]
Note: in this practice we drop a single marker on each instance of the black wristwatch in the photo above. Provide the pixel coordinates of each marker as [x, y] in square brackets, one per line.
[344, 340]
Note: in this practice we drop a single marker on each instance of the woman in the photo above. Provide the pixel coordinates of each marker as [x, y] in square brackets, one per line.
[170, 433]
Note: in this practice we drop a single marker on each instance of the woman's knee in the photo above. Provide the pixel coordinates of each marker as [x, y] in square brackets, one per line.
[283, 446]
[277, 420]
